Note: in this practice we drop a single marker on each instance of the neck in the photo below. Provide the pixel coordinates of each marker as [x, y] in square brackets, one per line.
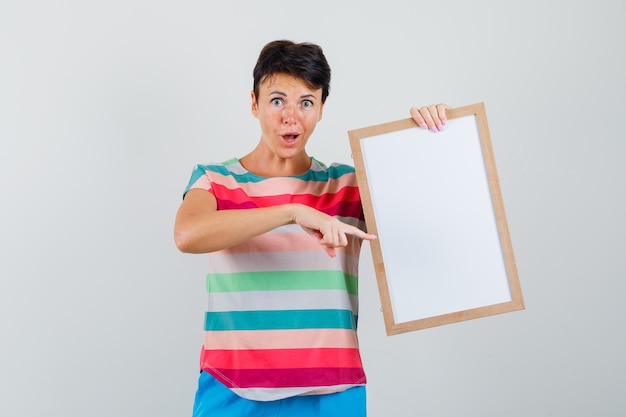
[259, 163]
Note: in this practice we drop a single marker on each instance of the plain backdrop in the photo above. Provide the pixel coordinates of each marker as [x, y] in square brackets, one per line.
[105, 107]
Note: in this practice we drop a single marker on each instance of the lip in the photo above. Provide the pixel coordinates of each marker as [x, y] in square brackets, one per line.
[290, 138]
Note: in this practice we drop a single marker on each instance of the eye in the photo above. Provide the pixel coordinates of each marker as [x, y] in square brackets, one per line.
[307, 104]
[277, 101]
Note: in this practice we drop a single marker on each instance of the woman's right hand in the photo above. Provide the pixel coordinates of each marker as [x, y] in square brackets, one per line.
[327, 230]
[200, 227]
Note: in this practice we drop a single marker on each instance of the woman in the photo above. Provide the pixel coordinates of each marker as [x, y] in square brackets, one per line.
[283, 232]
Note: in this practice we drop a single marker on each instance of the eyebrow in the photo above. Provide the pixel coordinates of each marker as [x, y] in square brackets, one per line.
[280, 93]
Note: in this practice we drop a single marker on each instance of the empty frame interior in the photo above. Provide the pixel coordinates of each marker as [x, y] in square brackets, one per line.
[443, 252]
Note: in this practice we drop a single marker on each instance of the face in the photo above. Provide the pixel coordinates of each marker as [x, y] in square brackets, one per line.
[288, 111]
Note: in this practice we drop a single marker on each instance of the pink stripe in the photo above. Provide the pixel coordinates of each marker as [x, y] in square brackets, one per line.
[276, 339]
[252, 378]
[203, 183]
[270, 185]
[269, 359]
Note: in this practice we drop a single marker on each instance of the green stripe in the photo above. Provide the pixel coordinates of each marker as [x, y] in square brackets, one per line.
[282, 280]
[279, 320]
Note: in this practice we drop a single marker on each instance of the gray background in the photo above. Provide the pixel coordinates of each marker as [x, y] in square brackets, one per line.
[106, 106]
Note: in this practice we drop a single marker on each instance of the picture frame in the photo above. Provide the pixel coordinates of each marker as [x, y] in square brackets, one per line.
[443, 253]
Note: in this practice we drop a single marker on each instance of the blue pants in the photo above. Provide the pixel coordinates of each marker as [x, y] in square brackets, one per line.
[213, 399]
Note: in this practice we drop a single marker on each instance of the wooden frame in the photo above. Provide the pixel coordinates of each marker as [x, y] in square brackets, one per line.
[443, 252]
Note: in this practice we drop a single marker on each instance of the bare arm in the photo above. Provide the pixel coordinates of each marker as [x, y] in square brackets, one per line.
[201, 228]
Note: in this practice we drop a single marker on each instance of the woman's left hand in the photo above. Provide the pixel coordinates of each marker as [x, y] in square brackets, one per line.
[431, 117]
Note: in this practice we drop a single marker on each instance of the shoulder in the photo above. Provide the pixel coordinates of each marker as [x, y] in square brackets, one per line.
[334, 170]
[205, 175]
[336, 176]
[231, 168]
[231, 165]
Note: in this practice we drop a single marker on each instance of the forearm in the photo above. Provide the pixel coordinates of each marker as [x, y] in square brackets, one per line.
[216, 230]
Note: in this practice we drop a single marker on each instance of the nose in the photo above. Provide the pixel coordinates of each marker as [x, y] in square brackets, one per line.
[289, 113]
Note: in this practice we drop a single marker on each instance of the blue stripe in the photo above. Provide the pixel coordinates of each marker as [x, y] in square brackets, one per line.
[333, 172]
[279, 320]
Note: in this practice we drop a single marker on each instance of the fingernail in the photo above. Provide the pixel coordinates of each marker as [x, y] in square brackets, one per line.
[434, 129]
[424, 126]
[440, 127]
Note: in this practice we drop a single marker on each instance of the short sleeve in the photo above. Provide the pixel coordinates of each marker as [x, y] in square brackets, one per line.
[199, 179]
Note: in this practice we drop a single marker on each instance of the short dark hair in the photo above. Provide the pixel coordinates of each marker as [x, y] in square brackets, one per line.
[301, 60]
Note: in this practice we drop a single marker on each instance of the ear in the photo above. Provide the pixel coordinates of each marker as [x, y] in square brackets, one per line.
[255, 105]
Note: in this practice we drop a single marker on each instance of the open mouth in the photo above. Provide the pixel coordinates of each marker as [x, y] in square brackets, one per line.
[290, 137]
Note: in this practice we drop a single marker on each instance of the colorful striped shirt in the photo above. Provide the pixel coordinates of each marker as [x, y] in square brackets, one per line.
[282, 314]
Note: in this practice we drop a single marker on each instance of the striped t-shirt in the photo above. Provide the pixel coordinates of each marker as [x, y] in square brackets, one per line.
[282, 314]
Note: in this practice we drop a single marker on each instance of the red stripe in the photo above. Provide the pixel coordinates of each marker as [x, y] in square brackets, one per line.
[279, 378]
[229, 205]
[237, 198]
[282, 358]
[345, 209]
[343, 195]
